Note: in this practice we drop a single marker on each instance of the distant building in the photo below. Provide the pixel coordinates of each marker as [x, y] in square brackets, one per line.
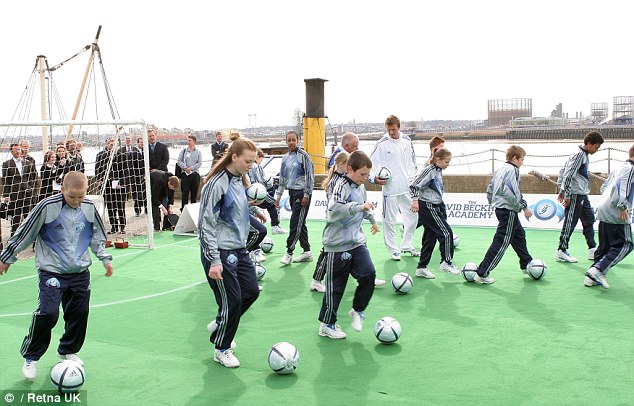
[502, 111]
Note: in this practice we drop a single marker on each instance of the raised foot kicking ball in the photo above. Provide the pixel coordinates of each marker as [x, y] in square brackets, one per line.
[257, 192]
[536, 269]
[384, 174]
[68, 376]
[283, 358]
[402, 283]
[267, 244]
[469, 271]
[387, 330]
[456, 241]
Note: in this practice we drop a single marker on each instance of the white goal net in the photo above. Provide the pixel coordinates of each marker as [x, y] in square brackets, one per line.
[110, 153]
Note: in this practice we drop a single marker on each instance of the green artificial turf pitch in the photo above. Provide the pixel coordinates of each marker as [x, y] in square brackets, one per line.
[516, 342]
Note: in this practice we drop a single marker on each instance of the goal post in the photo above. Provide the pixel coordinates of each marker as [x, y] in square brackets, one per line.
[119, 181]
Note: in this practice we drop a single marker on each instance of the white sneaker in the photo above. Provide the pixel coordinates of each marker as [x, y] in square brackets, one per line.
[226, 358]
[379, 282]
[71, 357]
[563, 256]
[331, 331]
[425, 273]
[260, 288]
[591, 252]
[396, 256]
[449, 268]
[306, 256]
[29, 370]
[357, 319]
[412, 251]
[589, 282]
[286, 259]
[597, 276]
[258, 256]
[317, 286]
[485, 280]
[278, 230]
[213, 326]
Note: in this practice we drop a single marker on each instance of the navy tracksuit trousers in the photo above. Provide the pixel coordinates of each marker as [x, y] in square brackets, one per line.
[578, 209]
[339, 265]
[235, 293]
[509, 231]
[73, 292]
[298, 230]
[615, 243]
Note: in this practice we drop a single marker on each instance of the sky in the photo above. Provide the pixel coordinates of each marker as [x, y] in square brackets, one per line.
[241, 64]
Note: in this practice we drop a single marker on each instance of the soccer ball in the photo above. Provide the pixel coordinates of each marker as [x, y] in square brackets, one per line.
[402, 283]
[456, 241]
[68, 376]
[387, 330]
[384, 174]
[536, 269]
[267, 244]
[283, 358]
[257, 192]
[260, 271]
[469, 271]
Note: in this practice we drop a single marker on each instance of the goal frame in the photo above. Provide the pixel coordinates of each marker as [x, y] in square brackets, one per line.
[117, 123]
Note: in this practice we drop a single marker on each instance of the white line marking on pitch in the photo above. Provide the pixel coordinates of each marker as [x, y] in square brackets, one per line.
[167, 292]
[118, 256]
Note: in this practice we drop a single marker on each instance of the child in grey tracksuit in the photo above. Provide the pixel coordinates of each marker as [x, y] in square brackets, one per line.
[574, 186]
[615, 223]
[345, 247]
[504, 194]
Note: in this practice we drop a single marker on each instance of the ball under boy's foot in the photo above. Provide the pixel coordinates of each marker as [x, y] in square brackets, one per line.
[589, 282]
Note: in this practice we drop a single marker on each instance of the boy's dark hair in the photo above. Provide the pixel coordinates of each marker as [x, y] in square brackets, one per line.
[392, 120]
[515, 151]
[593, 137]
[358, 160]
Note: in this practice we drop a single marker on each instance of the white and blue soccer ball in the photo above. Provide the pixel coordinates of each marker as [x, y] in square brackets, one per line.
[536, 269]
[283, 358]
[456, 241]
[260, 271]
[257, 192]
[387, 330]
[267, 244]
[384, 173]
[402, 283]
[68, 376]
[469, 271]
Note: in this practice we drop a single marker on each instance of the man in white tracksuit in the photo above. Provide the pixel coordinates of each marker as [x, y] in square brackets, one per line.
[396, 152]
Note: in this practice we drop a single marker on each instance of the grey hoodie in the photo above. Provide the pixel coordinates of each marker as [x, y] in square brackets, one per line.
[504, 190]
[617, 194]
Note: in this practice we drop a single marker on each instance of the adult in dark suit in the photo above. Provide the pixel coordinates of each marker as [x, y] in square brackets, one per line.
[163, 185]
[218, 148]
[48, 173]
[114, 188]
[20, 177]
[159, 154]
